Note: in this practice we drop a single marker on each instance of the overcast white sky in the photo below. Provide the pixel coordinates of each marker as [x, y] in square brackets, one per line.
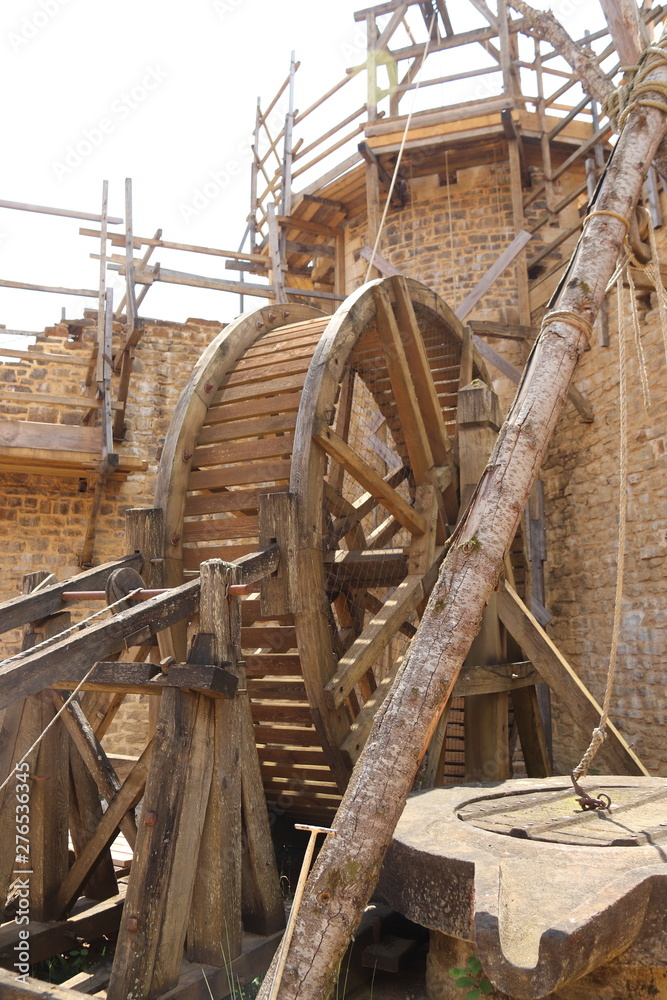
[164, 92]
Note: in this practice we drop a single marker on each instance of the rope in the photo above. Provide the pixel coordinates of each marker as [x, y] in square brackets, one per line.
[599, 733]
[400, 151]
[574, 319]
[73, 628]
[614, 215]
[45, 731]
[629, 96]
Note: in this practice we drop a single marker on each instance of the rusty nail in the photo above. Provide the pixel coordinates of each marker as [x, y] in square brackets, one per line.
[187, 455]
[175, 539]
[132, 924]
[150, 819]
[208, 387]
[272, 316]
[259, 324]
[285, 313]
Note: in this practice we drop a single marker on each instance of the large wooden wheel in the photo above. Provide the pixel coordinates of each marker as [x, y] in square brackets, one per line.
[355, 416]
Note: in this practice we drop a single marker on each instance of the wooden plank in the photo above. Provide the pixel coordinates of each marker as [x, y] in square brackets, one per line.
[126, 798]
[490, 679]
[283, 402]
[506, 258]
[560, 676]
[220, 528]
[243, 451]
[59, 437]
[308, 226]
[241, 475]
[225, 501]
[27, 988]
[30, 398]
[88, 293]
[277, 523]
[197, 982]
[278, 423]
[367, 477]
[374, 638]
[71, 657]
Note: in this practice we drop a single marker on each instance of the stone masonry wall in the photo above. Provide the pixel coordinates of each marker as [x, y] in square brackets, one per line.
[43, 518]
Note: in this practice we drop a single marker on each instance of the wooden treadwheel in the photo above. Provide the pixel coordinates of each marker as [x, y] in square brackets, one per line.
[355, 416]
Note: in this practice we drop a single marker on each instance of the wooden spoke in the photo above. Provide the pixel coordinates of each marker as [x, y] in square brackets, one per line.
[352, 513]
[420, 372]
[416, 438]
[374, 638]
[367, 477]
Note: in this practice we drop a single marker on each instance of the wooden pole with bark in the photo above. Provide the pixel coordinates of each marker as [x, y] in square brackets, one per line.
[348, 866]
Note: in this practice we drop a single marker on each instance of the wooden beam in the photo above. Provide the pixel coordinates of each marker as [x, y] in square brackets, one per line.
[147, 678]
[48, 600]
[125, 799]
[506, 258]
[65, 212]
[495, 677]
[367, 477]
[561, 678]
[11, 988]
[71, 657]
[94, 757]
[376, 635]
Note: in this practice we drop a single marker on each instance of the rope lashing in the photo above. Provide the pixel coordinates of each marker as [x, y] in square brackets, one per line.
[608, 211]
[566, 316]
[631, 94]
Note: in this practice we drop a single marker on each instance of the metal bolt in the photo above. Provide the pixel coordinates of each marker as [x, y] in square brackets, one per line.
[187, 455]
[285, 313]
[208, 387]
[259, 324]
[175, 539]
[272, 316]
[150, 819]
[132, 924]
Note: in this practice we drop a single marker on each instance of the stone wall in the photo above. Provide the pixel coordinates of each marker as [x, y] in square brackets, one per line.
[43, 518]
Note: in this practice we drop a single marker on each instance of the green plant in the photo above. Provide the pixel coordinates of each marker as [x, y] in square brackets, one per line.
[472, 979]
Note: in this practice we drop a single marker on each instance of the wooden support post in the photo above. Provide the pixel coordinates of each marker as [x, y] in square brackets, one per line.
[602, 321]
[102, 285]
[17, 734]
[286, 185]
[49, 790]
[254, 171]
[144, 533]
[277, 266]
[538, 554]
[130, 303]
[149, 951]
[214, 926]
[545, 145]
[486, 715]
[277, 523]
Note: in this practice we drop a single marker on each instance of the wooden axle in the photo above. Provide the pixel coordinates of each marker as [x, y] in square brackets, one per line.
[234, 590]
